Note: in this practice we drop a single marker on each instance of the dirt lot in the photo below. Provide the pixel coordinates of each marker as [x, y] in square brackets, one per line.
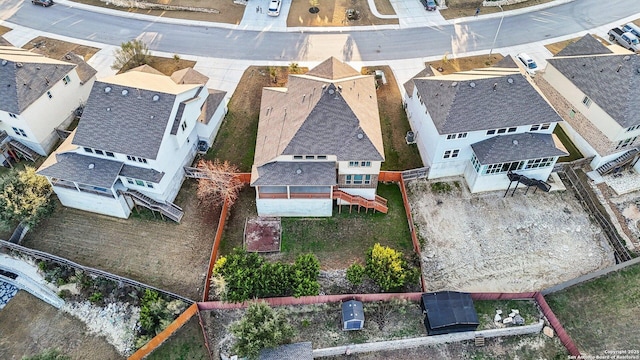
[484, 242]
[28, 326]
[170, 256]
[4, 30]
[448, 65]
[228, 12]
[333, 13]
[626, 208]
[462, 8]
[56, 49]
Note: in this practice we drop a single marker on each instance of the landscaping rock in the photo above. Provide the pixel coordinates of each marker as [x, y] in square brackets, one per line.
[548, 331]
[497, 318]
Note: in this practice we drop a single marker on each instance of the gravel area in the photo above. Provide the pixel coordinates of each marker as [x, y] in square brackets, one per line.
[487, 242]
[7, 292]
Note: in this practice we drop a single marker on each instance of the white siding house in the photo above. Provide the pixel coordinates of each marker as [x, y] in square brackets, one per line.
[482, 124]
[38, 95]
[595, 89]
[319, 140]
[138, 131]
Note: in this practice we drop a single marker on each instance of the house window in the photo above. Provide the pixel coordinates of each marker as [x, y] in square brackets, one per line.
[130, 158]
[534, 128]
[457, 136]
[572, 113]
[491, 132]
[184, 125]
[462, 135]
[13, 116]
[66, 79]
[88, 150]
[539, 163]
[297, 157]
[451, 154]
[503, 167]
[49, 94]
[354, 163]
[99, 152]
[367, 179]
[144, 161]
[322, 157]
[357, 179]
[451, 136]
[586, 101]
[475, 162]
[545, 126]
[130, 180]
[109, 154]
[19, 132]
[626, 142]
[633, 128]
[347, 179]
[502, 131]
[139, 182]
[365, 163]
[512, 129]
[310, 157]
[149, 185]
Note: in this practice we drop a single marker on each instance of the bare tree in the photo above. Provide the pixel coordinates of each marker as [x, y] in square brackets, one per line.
[220, 183]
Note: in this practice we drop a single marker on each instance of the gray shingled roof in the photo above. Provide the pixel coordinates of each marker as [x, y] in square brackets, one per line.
[297, 351]
[85, 71]
[22, 83]
[472, 105]
[133, 124]
[311, 173]
[409, 85]
[516, 147]
[333, 128]
[333, 69]
[587, 45]
[506, 62]
[76, 167]
[214, 99]
[139, 173]
[611, 81]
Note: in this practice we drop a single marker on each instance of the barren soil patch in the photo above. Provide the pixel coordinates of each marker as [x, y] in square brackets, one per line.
[462, 8]
[4, 30]
[487, 242]
[333, 13]
[170, 256]
[56, 49]
[28, 326]
[556, 47]
[447, 66]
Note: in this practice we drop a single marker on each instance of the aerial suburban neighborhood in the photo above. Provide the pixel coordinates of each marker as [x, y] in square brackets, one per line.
[323, 179]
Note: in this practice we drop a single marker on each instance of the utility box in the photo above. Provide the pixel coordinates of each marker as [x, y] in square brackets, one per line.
[352, 315]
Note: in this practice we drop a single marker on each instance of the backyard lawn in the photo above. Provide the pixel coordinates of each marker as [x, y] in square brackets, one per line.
[185, 344]
[574, 153]
[602, 314]
[337, 241]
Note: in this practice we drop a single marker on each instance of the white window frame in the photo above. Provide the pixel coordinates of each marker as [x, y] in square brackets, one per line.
[586, 101]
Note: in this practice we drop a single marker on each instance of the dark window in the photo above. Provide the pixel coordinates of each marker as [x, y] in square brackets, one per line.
[491, 132]
[110, 154]
[88, 150]
[512, 129]
[502, 131]
[297, 157]
[99, 152]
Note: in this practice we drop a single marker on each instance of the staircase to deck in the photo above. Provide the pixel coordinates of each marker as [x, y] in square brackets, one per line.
[542, 185]
[170, 210]
[194, 173]
[24, 150]
[379, 204]
[623, 160]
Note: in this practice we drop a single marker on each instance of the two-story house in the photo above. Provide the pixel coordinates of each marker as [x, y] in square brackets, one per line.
[137, 132]
[318, 140]
[595, 89]
[482, 124]
[37, 95]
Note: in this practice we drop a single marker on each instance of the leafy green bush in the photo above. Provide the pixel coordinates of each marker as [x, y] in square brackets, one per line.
[261, 327]
[241, 276]
[50, 354]
[156, 313]
[96, 297]
[440, 187]
[388, 269]
[24, 196]
[355, 274]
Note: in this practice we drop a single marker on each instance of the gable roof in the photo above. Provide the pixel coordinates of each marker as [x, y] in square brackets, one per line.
[506, 62]
[333, 69]
[214, 99]
[129, 113]
[146, 69]
[586, 45]
[409, 85]
[85, 71]
[297, 173]
[517, 147]
[611, 81]
[315, 116]
[26, 76]
[189, 76]
[483, 99]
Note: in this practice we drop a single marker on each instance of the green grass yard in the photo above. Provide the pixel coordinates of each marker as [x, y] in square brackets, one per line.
[186, 344]
[574, 153]
[602, 314]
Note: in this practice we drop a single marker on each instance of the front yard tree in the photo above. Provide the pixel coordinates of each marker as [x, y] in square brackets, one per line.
[387, 268]
[261, 327]
[221, 183]
[24, 196]
[130, 54]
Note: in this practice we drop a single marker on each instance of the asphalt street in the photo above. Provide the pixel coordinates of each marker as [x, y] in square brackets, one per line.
[367, 45]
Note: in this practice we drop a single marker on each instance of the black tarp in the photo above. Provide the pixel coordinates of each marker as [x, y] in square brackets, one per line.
[448, 312]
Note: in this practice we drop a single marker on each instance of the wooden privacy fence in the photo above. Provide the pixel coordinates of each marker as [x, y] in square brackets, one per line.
[165, 334]
[214, 249]
[565, 339]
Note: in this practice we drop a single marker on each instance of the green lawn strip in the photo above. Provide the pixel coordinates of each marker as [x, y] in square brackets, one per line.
[347, 236]
[398, 154]
[574, 153]
[601, 314]
[185, 344]
[486, 310]
[236, 139]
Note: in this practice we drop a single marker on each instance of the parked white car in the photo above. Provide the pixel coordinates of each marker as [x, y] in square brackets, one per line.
[529, 64]
[274, 8]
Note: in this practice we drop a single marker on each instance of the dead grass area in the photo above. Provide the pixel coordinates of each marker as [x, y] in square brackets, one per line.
[170, 256]
[167, 66]
[394, 123]
[236, 139]
[333, 13]
[4, 30]
[463, 8]
[447, 66]
[185, 344]
[56, 49]
[29, 326]
[229, 12]
[558, 46]
[487, 242]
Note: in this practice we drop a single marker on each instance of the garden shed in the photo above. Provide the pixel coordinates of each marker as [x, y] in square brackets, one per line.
[448, 312]
[352, 315]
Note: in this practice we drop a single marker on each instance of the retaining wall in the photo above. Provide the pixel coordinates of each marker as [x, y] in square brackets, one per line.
[590, 276]
[427, 340]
